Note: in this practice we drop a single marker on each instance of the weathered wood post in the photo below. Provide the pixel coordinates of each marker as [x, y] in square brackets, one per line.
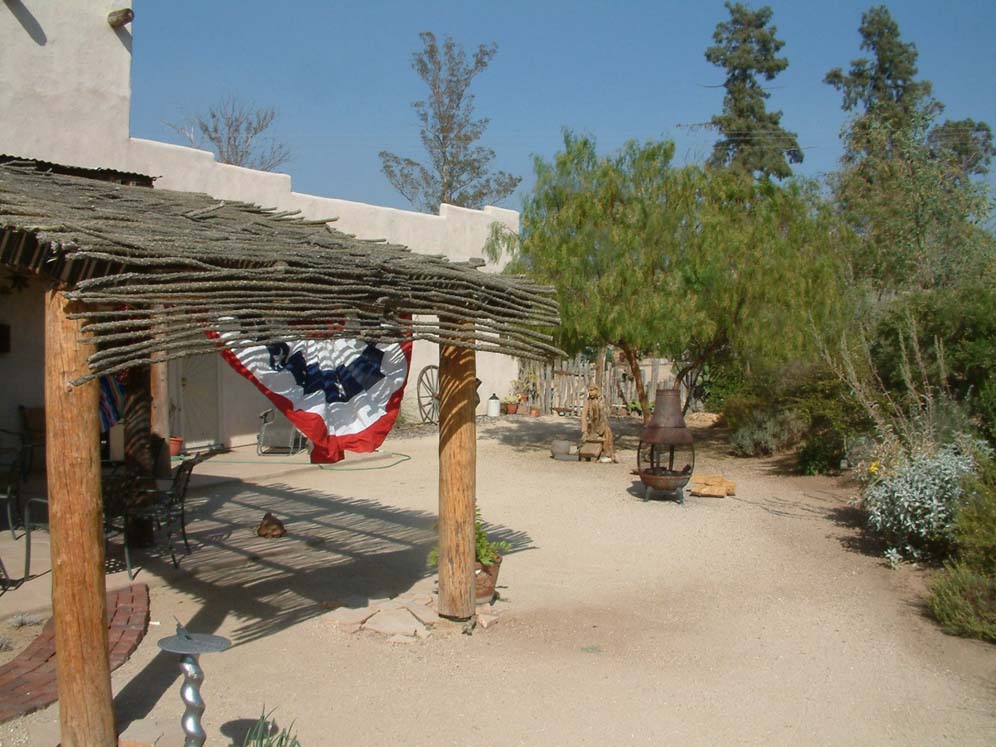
[457, 480]
[138, 420]
[76, 526]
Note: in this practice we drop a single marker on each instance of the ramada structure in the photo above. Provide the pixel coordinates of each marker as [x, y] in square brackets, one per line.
[138, 276]
[135, 277]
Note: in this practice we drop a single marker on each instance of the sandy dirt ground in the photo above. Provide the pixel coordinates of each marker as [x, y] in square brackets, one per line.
[761, 618]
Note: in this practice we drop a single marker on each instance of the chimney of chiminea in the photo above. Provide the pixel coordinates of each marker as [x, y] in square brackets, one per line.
[666, 456]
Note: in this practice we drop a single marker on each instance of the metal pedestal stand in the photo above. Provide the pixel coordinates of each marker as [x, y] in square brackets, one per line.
[190, 646]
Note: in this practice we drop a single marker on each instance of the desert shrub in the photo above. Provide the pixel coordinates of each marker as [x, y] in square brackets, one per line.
[912, 504]
[766, 432]
[964, 602]
[964, 320]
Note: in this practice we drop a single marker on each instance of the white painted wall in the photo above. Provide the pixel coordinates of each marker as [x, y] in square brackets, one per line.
[65, 87]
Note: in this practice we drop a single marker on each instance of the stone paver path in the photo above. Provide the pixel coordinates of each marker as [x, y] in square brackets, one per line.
[27, 683]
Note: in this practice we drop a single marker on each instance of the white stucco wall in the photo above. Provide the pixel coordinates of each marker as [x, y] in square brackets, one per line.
[65, 86]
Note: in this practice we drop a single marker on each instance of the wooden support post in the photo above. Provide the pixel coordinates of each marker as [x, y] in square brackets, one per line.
[457, 481]
[138, 421]
[78, 588]
[159, 386]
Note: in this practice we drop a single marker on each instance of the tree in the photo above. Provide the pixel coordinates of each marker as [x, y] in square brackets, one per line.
[690, 263]
[903, 187]
[883, 89]
[966, 143]
[920, 222]
[457, 170]
[236, 131]
[752, 138]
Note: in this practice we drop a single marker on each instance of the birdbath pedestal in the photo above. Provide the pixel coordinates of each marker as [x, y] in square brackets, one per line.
[189, 646]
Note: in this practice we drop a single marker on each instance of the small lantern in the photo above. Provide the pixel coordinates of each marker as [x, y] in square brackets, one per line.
[666, 456]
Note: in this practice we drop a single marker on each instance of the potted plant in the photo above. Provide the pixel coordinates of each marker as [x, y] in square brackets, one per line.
[510, 404]
[487, 561]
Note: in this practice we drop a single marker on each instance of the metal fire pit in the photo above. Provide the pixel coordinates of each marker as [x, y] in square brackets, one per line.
[666, 456]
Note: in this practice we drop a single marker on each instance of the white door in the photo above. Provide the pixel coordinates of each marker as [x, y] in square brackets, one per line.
[199, 403]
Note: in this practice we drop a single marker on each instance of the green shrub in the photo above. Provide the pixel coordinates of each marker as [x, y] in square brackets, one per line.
[974, 529]
[912, 506]
[964, 602]
[766, 432]
[264, 734]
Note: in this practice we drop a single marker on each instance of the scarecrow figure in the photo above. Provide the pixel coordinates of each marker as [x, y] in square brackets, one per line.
[596, 435]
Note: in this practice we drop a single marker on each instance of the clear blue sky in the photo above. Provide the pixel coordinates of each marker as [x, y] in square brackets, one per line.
[339, 73]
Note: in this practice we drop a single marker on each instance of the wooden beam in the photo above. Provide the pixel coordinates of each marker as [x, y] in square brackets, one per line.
[78, 588]
[457, 481]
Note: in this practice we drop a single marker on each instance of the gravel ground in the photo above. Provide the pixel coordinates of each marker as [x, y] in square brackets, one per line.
[761, 618]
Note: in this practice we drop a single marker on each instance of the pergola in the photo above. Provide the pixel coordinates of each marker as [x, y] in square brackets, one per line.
[140, 276]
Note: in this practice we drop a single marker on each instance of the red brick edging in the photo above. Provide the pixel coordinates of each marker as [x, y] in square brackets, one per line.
[27, 683]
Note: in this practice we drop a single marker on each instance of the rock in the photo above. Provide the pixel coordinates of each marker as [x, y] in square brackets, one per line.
[487, 621]
[140, 733]
[485, 609]
[393, 622]
[271, 527]
[349, 616]
[423, 633]
[425, 615]
[401, 639]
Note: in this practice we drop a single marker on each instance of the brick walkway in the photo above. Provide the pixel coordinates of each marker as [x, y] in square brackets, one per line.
[27, 683]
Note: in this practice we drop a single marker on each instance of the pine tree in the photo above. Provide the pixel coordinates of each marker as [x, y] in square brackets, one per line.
[752, 138]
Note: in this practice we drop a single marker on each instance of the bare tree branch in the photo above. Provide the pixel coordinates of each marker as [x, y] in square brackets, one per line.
[235, 130]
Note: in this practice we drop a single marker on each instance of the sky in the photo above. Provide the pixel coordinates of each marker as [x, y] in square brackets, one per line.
[339, 75]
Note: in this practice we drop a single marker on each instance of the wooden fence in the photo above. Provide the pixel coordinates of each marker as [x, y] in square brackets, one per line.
[562, 386]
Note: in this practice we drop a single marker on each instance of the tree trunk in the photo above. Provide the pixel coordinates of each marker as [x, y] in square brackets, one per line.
[457, 481]
[76, 527]
[641, 390]
[159, 384]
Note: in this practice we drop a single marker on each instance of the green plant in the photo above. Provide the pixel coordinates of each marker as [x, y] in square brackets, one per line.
[974, 529]
[964, 602]
[486, 550]
[766, 431]
[912, 506]
[264, 734]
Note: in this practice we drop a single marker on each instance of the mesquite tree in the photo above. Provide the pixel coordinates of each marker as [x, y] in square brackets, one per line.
[689, 263]
[457, 171]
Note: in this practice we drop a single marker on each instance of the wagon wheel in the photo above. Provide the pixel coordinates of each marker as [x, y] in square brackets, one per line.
[427, 391]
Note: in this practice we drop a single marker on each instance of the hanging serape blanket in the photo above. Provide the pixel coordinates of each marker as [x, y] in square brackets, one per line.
[342, 394]
[111, 401]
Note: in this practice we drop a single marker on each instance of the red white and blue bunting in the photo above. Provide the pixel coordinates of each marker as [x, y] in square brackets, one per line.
[342, 394]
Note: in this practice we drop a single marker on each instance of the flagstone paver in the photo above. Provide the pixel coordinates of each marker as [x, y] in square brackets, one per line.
[27, 682]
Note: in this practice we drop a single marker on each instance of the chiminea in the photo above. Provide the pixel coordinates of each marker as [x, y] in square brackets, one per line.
[667, 455]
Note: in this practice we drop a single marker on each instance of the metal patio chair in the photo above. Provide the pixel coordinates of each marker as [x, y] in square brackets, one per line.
[277, 436]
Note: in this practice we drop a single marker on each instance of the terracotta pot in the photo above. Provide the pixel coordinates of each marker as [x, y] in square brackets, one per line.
[175, 446]
[512, 407]
[485, 580]
[534, 412]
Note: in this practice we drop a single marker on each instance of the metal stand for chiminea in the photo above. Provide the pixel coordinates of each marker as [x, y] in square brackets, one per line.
[190, 646]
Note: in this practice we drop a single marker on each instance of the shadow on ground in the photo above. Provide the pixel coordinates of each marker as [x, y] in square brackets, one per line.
[337, 551]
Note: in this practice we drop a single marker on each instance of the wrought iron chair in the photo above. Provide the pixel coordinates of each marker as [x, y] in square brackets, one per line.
[32, 433]
[12, 469]
[129, 499]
